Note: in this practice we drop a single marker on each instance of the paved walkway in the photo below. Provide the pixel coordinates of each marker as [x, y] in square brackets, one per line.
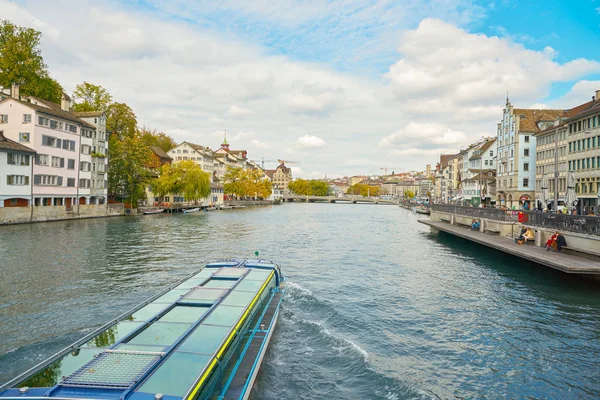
[569, 263]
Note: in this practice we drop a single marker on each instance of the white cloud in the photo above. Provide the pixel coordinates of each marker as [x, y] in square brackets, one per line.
[260, 145]
[423, 138]
[449, 66]
[196, 83]
[239, 112]
[307, 141]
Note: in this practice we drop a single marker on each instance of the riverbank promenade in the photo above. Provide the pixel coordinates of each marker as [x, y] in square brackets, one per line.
[565, 262]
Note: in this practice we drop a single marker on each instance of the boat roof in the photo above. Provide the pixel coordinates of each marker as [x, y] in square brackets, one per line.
[168, 345]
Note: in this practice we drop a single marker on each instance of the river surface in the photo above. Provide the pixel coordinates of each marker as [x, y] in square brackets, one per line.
[377, 307]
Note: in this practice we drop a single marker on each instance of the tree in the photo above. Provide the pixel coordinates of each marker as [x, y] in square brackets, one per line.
[246, 183]
[319, 188]
[156, 138]
[195, 183]
[127, 173]
[409, 194]
[167, 182]
[21, 62]
[120, 121]
[364, 190]
[90, 97]
[301, 187]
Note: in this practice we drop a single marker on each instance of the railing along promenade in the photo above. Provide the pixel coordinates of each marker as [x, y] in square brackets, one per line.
[560, 222]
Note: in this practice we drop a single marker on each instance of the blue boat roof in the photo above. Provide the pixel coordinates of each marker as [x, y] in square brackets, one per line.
[169, 345]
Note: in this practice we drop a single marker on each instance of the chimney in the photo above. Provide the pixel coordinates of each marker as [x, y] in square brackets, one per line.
[15, 91]
[65, 102]
[597, 94]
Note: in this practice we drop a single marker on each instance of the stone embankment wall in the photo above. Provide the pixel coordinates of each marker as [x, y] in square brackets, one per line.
[21, 215]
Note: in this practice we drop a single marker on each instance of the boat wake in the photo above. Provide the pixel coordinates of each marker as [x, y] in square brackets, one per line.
[334, 363]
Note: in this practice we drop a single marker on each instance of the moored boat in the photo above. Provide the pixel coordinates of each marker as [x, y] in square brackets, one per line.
[154, 211]
[202, 338]
[191, 210]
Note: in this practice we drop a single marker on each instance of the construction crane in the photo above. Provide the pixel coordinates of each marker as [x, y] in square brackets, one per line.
[385, 170]
[288, 161]
[263, 161]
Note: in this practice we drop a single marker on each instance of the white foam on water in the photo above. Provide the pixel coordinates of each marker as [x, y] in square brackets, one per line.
[349, 343]
[299, 288]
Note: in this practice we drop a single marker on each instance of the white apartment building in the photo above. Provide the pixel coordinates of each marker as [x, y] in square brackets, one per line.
[93, 164]
[186, 151]
[515, 177]
[54, 132]
[16, 163]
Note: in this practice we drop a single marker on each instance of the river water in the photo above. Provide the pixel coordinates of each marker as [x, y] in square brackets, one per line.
[377, 307]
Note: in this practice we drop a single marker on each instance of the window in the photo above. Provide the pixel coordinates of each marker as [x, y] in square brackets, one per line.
[3, 118]
[71, 182]
[24, 137]
[70, 163]
[512, 153]
[526, 152]
[53, 124]
[526, 167]
[42, 159]
[17, 180]
[72, 128]
[85, 149]
[26, 118]
[491, 153]
[58, 162]
[525, 182]
[526, 139]
[84, 183]
[17, 159]
[47, 180]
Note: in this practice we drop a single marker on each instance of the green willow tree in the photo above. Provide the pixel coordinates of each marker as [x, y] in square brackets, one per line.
[21, 63]
[185, 178]
[90, 97]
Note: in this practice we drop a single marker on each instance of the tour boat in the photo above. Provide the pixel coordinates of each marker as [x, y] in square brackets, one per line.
[154, 211]
[202, 338]
[191, 210]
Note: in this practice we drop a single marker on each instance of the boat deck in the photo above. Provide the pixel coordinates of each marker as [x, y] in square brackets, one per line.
[248, 364]
[569, 263]
[178, 344]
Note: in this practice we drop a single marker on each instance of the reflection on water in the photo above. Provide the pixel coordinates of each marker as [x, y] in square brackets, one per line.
[377, 307]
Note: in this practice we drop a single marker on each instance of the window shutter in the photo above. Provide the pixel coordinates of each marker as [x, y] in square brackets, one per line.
[38, 160]
[59, 143]
[9, 158]
[59, 180]
[26, 160]
[62, 162]
[27, 180]
[37, 179]
[65, 145]
[9, 179]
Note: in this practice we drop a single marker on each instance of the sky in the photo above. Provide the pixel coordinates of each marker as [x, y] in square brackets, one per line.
[341, 87]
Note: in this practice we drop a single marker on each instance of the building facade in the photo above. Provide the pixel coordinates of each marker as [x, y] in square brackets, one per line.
[515, 178]
[55, 135]
[584, 154]
[551, 156]
[16, 166]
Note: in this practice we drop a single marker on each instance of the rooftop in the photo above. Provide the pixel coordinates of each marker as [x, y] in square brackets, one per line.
[11, 145]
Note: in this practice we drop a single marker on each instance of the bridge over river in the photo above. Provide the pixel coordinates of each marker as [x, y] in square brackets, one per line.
[343, 199]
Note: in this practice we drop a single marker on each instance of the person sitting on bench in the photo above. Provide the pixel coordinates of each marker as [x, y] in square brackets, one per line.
[560, 242]
[529, 235]
[521, 238]
[475, 224]
[551, 242]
